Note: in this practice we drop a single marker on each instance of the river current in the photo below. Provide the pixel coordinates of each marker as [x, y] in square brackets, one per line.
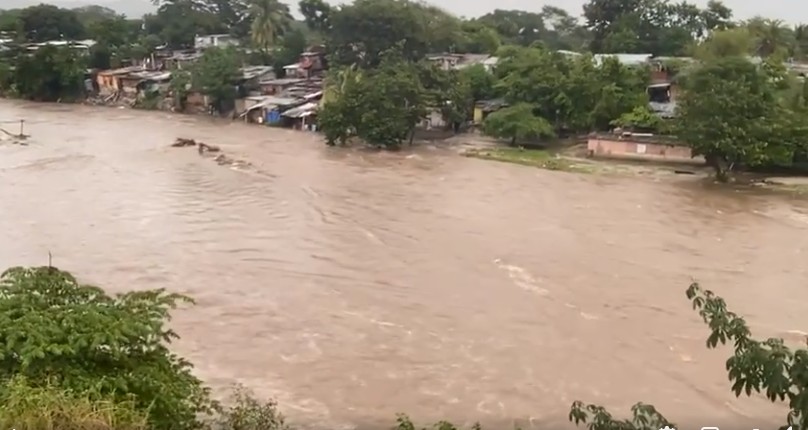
[351, 286]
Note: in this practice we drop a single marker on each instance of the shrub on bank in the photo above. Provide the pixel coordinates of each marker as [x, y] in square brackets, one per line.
[25, 407]
[57, 334]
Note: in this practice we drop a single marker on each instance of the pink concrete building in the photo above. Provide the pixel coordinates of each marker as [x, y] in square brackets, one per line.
[628, 147]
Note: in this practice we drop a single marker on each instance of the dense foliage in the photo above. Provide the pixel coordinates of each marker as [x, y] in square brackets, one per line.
[216, 74]
[393, 90]
[56, 332]
[49, 74]
[517, 123]
[736, 113]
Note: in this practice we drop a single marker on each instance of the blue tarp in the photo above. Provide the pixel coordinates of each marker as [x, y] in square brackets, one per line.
[273, 116]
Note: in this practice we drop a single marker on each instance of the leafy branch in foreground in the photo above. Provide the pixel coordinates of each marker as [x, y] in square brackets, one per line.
[767, 366]
[61, 335]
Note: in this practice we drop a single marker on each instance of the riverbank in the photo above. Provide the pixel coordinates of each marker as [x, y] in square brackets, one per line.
[570, 160]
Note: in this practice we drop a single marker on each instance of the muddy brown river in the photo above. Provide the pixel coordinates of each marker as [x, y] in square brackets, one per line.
[351, 286]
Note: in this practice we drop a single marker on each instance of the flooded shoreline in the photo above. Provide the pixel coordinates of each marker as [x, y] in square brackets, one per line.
[352, 286]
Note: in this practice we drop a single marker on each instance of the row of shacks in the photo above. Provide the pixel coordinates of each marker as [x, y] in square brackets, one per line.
[289, 101]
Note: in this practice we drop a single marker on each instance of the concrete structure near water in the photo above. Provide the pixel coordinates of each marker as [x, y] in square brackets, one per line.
[640, 148]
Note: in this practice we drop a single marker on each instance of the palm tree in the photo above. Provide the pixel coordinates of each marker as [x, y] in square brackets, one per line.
[771, 36]
[270, 19]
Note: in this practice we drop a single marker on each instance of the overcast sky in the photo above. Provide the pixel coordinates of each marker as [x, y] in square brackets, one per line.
[791, 11]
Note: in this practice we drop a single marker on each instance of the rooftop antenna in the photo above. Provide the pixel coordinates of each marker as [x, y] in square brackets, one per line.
[50, 260]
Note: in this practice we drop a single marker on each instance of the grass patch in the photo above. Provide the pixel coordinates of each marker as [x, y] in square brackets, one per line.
[529, 157]
[25, 407]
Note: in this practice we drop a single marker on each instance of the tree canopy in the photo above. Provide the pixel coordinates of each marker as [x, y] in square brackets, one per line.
[732, 113]
[58, 332]
[216, 75]
[517, 123]
[380, 106]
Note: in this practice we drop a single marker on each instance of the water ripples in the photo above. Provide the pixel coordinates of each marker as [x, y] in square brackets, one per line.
[355, 285]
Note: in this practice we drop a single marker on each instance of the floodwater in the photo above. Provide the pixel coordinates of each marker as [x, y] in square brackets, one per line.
[351, 286]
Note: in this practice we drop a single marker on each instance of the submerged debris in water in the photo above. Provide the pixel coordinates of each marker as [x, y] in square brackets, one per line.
[182, 142]
[203, 148]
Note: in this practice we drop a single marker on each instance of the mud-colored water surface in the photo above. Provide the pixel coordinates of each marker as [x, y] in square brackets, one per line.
[352, 285]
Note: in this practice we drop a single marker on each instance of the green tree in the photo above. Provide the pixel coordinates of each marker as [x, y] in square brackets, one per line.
[517, 123]
[760, 366]
[771, 37]
[448, 91]
[292, 44]
[6, 77]
[47, 22]
[316, 14]
[10, 20]
[341, 105]
[516, 27]
[481, 82]
[270, 20]
[726, 43]
[640, 119]
[56, 332]
[215, 74]
[575, 95]
[621, 90]
[717, 16]
[379, 106]
[100, 57]
[361, 32]
[650, 26]
[91, 14]
[112, 32]
[50, 74]
[176, 23]
[563, 30]
[730, 113]
[179, 85]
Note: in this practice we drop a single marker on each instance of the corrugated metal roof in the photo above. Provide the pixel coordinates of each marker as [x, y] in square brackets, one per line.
[663, 110]
[269, 101]
[255, 71]
[625, 59]
[300, 111]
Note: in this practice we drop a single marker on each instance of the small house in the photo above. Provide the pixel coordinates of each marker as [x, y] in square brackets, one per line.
[484, 107]
[180, 60]
[214, 40]
[309, 65]
[251, 76]
[302, 117]
[461, 61]
[112, 81]
[266, 109]
[153, 81]
[631, 60]
[277, 86]
[433, 120]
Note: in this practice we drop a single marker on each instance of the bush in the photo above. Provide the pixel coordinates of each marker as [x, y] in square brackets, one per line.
[24, 407]
[60, 335]
[247, 413]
